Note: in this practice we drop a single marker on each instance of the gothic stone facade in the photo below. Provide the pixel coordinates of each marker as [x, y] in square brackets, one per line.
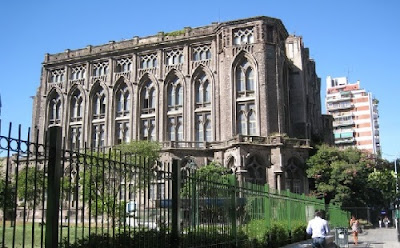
[242, 93]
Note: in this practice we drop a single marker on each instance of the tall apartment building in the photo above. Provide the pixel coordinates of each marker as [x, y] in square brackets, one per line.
[355, 114]
[226, 92]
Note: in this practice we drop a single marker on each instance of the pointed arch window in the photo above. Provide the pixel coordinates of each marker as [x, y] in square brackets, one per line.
[75, 134]
[175, 94]
[122, 110]
[148, 128]
[122, 101]
[202, 91]
[256, 173]
[55, 110]
[99, 104]
[175, 107]
[246, 119]
[122, 132]
[76, 106]
[245, 83]
[175, 128]
[148, 111]
[203, 127]
[148, 98]
[98, 135]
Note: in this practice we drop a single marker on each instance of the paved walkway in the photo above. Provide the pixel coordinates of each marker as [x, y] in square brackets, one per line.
[376, 238]
[370, 238]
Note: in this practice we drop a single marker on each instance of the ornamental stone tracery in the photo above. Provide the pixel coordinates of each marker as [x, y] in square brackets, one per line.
[243, 36]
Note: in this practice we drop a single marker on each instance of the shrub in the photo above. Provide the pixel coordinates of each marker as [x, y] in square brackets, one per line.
[139, 238]
[257, 232]
[298, 231]
[278, 234]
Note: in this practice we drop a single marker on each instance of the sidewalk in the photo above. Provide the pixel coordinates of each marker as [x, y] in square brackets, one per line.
[377, 238]
[370, 238]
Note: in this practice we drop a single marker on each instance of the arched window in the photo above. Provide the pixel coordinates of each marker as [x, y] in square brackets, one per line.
[179, 95]
[99, 104]
[240, 84]
[55, 110]
[245, 98]
[175, 110]
[242, 123]
[76, 106]
[174, 94]
[249, 80]
[256, 172]
[147, 111]
[202, 108]
[246, 121]
[122, 99]
[75, 134]
[98, 117]
[122, 110]
[202, 91]
[252, 123]
[203, 127]
[245, 83]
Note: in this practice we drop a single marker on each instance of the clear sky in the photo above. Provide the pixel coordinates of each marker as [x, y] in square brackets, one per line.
[358, 39]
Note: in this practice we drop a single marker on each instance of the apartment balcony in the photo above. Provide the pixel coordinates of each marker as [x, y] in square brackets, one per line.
[343, 123]
[350, 140]
[335, 107]
[339, 99]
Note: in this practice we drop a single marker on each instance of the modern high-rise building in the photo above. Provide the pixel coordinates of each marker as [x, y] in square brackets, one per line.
[355, 113]
[242, 93]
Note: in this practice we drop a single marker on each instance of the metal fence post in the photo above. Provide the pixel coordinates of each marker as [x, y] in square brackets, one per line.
[176, 202]
[234, 189]
[53, 187]
[267, 203]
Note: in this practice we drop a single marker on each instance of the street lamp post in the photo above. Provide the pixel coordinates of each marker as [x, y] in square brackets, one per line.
[397, 200]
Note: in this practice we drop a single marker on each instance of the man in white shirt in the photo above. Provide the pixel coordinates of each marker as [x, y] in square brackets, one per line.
[319, 229]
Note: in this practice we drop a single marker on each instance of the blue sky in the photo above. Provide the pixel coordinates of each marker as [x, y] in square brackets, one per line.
[354, 38]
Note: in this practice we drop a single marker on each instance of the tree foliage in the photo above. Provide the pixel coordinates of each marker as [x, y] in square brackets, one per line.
[206, 177]
[30, 181]
[341, 176]
[127, 167]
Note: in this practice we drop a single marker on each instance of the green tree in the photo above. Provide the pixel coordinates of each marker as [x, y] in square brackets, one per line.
[341, 176]
[29, 186]
[382, 185]
[127, 167]
[206, 177]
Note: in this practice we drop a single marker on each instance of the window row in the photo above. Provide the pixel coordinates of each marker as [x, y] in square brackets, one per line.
[147, 61]
[246, 112]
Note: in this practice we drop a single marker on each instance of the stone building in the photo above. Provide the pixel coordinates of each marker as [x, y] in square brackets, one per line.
[243, 93]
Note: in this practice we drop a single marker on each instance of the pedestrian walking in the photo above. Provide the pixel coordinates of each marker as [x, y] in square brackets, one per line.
[380, 222]
[319, 229]
[386, 221]
[355, 228]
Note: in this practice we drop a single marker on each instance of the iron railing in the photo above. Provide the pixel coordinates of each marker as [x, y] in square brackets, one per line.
[54, 197]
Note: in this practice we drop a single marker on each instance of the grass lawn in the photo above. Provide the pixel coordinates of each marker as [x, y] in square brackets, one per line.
[25, 237]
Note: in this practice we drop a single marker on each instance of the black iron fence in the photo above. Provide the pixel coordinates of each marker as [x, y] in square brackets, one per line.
[51, 196]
